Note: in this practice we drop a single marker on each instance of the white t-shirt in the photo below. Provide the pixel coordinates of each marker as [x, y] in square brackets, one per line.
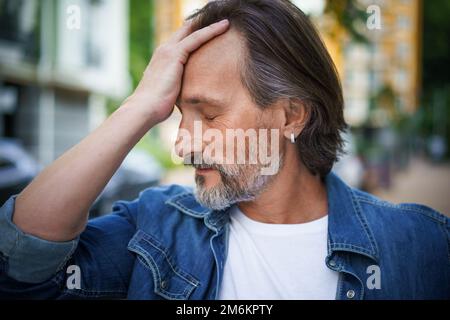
[277, 261]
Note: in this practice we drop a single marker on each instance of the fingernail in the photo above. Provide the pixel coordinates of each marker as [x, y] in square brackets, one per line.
[224, 21]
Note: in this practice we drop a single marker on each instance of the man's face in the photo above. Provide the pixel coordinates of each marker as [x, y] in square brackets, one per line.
[213, 96]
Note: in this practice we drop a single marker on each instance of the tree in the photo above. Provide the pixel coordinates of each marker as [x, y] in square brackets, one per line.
[435, 114]
[141, 36]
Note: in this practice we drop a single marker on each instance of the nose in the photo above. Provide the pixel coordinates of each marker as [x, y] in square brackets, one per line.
[189, 137]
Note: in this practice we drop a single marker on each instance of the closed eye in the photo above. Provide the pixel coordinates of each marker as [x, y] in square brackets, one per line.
[210, 118]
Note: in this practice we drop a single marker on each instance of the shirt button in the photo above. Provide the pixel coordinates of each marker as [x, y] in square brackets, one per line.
[350, 294]
[163, 284]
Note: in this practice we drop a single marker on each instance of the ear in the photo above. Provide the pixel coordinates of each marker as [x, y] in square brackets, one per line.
[297, 115]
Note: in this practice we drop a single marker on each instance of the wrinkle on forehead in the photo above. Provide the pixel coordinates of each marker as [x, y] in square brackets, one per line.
[215, 67]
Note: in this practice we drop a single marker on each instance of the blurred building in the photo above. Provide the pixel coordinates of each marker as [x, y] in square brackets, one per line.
[170, 15]
[385, 70]
[59, 60]
[383, 75]
[380, 76]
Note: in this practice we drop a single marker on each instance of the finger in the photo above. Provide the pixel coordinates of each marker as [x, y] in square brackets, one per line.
[199, 37]
[182, 32]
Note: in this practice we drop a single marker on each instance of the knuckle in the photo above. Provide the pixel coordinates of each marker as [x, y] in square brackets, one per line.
[183, 57]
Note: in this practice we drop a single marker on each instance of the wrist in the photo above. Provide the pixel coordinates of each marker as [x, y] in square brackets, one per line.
[143, 109]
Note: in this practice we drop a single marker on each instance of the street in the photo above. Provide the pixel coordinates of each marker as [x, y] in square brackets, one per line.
[422, 182]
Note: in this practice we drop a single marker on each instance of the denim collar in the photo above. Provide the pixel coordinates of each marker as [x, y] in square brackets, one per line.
[186, 203]
[348, 229]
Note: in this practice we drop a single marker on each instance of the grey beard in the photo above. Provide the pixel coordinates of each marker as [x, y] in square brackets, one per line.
[239, 183]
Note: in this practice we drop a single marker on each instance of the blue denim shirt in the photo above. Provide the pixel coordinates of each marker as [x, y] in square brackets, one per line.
[165, 245]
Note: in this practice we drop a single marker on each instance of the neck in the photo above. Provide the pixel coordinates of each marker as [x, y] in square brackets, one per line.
[293, 196]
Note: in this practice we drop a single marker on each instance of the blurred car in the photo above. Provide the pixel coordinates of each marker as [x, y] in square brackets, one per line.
[17, 168]
[138, 171]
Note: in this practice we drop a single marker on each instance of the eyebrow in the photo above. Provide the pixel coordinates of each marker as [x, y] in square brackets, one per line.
[195, 100]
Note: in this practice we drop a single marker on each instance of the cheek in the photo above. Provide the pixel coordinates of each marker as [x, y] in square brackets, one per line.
[240, 121]
[211, 179]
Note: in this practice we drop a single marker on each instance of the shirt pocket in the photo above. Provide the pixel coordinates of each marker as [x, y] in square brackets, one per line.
[170, 281]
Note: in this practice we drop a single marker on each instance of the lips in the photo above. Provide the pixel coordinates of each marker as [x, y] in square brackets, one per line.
[204, 166]
[204, 170]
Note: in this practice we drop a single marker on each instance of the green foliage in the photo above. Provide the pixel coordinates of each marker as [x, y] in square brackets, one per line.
[434, 118]
[141, 37]
[436, 44]
[154, 146]
[141, 49]
[350, 15]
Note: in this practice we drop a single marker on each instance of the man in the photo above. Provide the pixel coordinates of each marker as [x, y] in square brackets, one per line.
[297, 233]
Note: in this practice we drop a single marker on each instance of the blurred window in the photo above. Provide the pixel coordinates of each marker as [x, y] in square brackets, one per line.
[18, 29]
[5, 163]
[401, 79]
[402, 50]
[403, 22]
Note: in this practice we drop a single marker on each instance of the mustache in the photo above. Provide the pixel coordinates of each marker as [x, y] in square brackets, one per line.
[198, 161]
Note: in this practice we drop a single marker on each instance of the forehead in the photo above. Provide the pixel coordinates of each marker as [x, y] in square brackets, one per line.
[214, 69]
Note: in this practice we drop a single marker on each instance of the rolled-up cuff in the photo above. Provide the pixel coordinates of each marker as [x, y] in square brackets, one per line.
[30, 259]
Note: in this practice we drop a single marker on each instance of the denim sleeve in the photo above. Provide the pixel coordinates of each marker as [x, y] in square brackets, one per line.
[32, 268]
[27, 258]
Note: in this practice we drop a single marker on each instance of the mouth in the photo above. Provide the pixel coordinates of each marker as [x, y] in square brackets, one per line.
[204, 170]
